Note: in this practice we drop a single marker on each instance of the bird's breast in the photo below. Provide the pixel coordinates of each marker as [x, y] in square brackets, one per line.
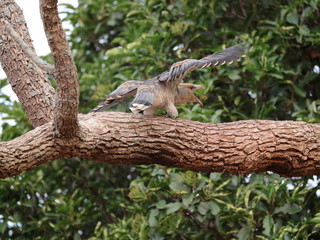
[162, 98]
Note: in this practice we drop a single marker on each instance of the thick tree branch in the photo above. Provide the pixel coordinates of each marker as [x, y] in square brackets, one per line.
[285, 147]
[67, 99]
[28, 81]
[29, 52]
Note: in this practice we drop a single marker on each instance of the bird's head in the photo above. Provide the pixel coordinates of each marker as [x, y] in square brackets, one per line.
[186, 93]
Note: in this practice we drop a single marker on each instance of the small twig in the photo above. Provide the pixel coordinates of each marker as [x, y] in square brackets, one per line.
[241, 4]
[30, 53]
[233, 13]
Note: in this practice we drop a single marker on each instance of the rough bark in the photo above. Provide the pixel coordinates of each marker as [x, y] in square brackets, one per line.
[32, 87]
[30, 52]
[67, 98]
[285, 147]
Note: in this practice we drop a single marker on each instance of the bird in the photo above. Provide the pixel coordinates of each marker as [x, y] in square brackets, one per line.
[166, 90]
[184, 94]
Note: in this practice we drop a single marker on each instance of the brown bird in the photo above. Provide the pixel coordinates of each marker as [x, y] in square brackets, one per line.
[184, 94]
[167, 90]
[150, 98]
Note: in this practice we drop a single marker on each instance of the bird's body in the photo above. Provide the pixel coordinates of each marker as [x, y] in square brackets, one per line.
[167, 90]
[150, 98]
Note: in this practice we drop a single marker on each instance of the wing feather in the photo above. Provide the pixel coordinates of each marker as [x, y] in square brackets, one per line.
[180, 69]
[125, 90]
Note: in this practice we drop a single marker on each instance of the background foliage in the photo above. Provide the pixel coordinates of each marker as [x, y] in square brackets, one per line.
[116, 41]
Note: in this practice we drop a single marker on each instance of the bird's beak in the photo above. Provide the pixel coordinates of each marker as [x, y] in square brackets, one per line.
[196, 87]
[198, 101]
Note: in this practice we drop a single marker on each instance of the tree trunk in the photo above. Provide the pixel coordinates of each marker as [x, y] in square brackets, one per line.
[28, 81]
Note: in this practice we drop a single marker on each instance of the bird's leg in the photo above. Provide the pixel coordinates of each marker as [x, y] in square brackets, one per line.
[172, 111]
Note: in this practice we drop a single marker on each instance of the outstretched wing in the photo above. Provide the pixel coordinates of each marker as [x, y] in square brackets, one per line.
[144, 99]
[125, 90]
[180, 69]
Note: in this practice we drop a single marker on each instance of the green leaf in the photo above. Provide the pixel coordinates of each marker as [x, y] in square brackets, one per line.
[316, 220]
[137, 193]
[247, 197]
[292, 18]
[173, 207]
[216, 116]
[234, 74]
[152, 217]
[268, 224]
[237, 100]
[3, 226]
[276, 75]
[288, 208]
[314, 4]
[299, 91]
[133, 12]
[179, 187]
[158, 171]
[304, 30]
[214, 208]
[215, 176]
[203, 208]
[235, 180]
[187, 199]
[244, 233]
[161, 204]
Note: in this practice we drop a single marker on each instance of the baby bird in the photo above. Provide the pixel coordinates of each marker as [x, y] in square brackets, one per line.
[167, 90]
[150, 98]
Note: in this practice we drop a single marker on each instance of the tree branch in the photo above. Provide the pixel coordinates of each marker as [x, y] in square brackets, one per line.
[29, 83]
[67, 98]
[285, 147]
[29, 52]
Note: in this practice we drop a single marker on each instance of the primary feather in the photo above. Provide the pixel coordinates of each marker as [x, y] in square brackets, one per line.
[180, 69]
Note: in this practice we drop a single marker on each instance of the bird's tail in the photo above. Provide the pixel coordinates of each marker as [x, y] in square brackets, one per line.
[125, 90]
[108, 103]
[143, 100]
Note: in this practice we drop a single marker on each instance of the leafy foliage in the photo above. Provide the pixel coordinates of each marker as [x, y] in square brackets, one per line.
[116, 41]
